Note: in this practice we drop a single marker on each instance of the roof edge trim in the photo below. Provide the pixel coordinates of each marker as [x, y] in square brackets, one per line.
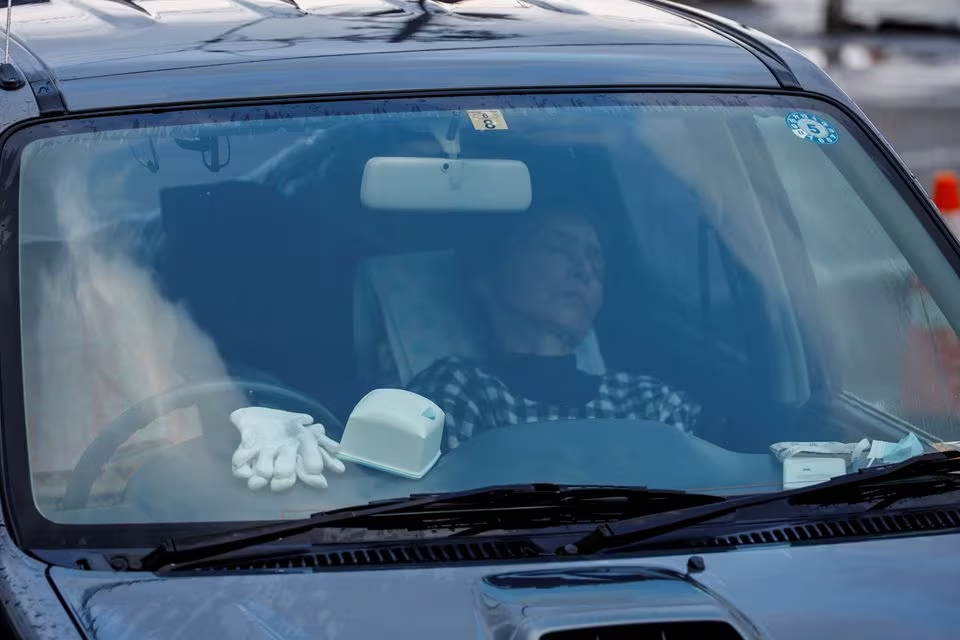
[42, 83]
[771, 59]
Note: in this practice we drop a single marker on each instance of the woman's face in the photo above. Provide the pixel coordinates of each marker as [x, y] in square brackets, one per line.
[553, 277]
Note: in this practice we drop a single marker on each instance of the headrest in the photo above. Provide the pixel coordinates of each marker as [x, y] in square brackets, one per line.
[419, 305]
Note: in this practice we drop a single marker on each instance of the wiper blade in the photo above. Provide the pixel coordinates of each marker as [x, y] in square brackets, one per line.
[927, 474]
[525, 502]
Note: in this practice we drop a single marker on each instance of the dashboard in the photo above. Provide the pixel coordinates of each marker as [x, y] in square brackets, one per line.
[193, 481]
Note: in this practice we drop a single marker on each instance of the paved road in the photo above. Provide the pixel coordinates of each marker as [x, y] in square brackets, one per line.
[909, 85]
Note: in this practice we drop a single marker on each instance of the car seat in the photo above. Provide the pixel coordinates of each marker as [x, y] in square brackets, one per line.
[261, 276]
[417, 308]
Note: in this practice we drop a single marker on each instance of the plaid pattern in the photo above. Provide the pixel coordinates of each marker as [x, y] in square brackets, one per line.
[474, 399]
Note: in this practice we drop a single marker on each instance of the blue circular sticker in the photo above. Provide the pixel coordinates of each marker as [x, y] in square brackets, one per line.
[809, 126]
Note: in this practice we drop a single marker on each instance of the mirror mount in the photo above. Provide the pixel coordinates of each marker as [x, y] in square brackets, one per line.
[449, 137]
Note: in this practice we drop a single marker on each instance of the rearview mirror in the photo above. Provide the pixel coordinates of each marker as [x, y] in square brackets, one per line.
[443, 184]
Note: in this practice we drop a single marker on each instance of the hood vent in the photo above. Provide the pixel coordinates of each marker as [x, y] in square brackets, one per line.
[858, 526]
[650, 631]
[379, 556]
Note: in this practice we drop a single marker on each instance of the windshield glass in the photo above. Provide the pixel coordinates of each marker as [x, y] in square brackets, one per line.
[644, 290]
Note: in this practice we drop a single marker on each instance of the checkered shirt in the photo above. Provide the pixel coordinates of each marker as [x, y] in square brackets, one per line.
[474, 399]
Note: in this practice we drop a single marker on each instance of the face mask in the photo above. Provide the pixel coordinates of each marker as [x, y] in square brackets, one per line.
[889, 452]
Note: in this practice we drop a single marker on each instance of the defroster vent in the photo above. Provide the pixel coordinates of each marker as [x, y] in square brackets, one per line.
[700, 630]
[387, 555]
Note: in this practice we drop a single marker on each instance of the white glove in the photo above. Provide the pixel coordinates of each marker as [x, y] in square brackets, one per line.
[278, 447]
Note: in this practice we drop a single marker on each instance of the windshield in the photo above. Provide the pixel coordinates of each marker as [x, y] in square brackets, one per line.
[626, 289]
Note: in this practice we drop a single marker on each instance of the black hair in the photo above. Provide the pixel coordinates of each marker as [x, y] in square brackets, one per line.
[483, 255]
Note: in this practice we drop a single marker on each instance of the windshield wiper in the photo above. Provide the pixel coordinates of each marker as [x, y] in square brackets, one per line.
[924, 475]
[640, 513]
[540, 504]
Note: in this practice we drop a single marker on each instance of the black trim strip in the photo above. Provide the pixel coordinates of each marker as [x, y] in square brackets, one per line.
[136, 7]
[42, 83]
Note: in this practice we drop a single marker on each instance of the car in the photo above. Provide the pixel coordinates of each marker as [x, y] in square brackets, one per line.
[935, 18]
[434, 319]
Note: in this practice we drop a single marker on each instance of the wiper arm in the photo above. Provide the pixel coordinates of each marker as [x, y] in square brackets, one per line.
[452, 509]
[923, 475]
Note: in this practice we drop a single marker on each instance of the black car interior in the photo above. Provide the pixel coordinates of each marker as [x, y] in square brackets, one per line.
[270, 274]
[276, 292]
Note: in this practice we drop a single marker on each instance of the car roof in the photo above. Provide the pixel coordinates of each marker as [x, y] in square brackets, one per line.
[99, 54]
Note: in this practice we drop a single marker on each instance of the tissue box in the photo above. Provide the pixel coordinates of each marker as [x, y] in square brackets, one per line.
[803, 472]
[396, 431]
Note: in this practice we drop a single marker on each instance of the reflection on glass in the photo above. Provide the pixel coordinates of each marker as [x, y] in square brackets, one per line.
[691, 283]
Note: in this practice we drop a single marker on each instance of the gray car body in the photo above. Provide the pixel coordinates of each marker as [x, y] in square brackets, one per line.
[87, 57]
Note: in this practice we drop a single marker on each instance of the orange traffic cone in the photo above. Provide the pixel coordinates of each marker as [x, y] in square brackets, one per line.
[946, 195]
[931, 367]
[931, 373]
[946, 192]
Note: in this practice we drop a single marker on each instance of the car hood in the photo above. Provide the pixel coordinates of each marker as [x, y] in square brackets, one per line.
[895, 588]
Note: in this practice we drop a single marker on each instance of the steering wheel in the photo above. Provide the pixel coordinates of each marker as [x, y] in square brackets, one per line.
[144, 413]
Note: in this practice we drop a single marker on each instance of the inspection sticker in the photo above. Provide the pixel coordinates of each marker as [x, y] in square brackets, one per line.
[812, 127]
[487, 120]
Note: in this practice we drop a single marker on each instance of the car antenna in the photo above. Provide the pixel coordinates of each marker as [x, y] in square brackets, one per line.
[10, 77]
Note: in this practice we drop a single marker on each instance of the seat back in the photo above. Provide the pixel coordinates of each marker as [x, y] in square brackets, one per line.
[418, 307]
[260, 276]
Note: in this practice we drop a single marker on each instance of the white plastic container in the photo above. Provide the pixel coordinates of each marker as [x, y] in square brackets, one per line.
[806, 471]
[396, 431]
